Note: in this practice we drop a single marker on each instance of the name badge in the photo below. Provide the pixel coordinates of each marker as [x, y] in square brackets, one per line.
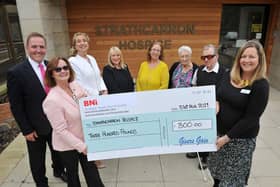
[245, 91]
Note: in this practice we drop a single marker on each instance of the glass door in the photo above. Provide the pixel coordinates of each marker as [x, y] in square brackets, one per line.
[11, 44]
[239, 24]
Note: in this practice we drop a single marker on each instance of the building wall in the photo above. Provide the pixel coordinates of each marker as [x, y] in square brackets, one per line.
[89, 16]
[49, 18]
[204, 15]
[274, 73]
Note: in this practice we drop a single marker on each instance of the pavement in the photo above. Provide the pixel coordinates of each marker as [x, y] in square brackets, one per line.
[172, 170]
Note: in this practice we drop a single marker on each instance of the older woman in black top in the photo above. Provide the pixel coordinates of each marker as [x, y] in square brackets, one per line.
[116, 74]
[242, 98]
[181, 73]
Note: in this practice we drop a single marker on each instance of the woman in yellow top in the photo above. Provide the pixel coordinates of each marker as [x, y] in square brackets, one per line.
[153, 73]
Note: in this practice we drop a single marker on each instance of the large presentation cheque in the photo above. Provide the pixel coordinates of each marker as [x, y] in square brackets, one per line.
[148, 123]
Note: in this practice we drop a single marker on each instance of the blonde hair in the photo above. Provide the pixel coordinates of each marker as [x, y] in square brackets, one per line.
[73, 51]
[118, 51]
[260, 71]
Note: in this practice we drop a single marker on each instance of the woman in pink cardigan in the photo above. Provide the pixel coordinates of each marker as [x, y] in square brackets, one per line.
[62, 109]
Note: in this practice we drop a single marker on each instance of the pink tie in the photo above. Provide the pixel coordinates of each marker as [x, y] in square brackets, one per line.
[43, 72]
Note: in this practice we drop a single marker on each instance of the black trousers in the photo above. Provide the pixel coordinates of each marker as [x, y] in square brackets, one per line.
[37, 159]
[203, 156]
[71, 161]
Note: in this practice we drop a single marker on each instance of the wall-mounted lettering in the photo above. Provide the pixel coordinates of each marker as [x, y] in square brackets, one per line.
[142, 44]
[143, 29]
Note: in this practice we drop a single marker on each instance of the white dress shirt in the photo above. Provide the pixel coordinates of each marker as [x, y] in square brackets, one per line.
[88, 74]
[35, 66]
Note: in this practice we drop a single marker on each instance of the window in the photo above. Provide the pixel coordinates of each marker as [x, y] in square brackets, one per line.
[249, 22]
[11, 44]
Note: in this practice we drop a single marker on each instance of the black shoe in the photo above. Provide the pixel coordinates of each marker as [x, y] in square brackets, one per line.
[61, 175]
[191, 155]
[203, 165]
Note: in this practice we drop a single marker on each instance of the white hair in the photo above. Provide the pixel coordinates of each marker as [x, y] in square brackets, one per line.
[184, 48]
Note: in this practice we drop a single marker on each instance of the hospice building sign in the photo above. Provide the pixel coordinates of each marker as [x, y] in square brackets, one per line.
[142, 30]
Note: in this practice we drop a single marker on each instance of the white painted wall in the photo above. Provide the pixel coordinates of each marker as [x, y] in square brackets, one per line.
[49, 18]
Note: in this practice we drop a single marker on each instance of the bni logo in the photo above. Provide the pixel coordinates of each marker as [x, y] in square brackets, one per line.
[90, 102]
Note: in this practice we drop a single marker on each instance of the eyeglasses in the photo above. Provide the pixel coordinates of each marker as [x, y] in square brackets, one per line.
[209, 57]
[59, 69]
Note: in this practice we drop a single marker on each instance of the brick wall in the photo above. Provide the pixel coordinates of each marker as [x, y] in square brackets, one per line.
[5, 112]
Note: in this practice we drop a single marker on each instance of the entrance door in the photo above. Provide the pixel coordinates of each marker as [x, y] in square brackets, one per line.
[11, 44]
[239, 24]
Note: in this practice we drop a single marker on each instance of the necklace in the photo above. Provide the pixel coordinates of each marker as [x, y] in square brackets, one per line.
[75, 98]
[244, 83]
[71, 93]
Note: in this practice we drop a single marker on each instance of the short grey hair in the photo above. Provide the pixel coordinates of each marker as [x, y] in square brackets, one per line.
[184, 48]
[210, 46]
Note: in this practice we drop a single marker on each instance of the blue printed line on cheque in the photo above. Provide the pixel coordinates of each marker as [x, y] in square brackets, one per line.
[119, 149]
[117, 137]
[108, 125]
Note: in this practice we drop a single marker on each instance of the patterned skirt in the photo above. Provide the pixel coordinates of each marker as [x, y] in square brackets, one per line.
[232, 163]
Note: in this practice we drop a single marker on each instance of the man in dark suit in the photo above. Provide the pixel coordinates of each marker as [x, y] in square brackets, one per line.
[26, 92]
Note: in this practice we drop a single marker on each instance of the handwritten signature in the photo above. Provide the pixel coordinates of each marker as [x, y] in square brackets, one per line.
[189, 141]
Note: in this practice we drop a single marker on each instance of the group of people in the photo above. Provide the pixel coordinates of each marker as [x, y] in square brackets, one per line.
[44, 101]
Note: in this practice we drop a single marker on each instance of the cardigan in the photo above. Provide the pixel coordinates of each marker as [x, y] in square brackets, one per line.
[64, 115]
[117, 80]
[241, 108]
[205, 78]
[152, 78]
[172, 69]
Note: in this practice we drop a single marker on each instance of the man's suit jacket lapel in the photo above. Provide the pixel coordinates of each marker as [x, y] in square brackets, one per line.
[46, 62]
[32, 78]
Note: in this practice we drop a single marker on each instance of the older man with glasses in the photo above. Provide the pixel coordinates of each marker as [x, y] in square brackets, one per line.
[210, 73]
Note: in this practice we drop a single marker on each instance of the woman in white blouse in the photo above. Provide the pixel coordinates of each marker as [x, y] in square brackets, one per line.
[85, 66]
[86, 69]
